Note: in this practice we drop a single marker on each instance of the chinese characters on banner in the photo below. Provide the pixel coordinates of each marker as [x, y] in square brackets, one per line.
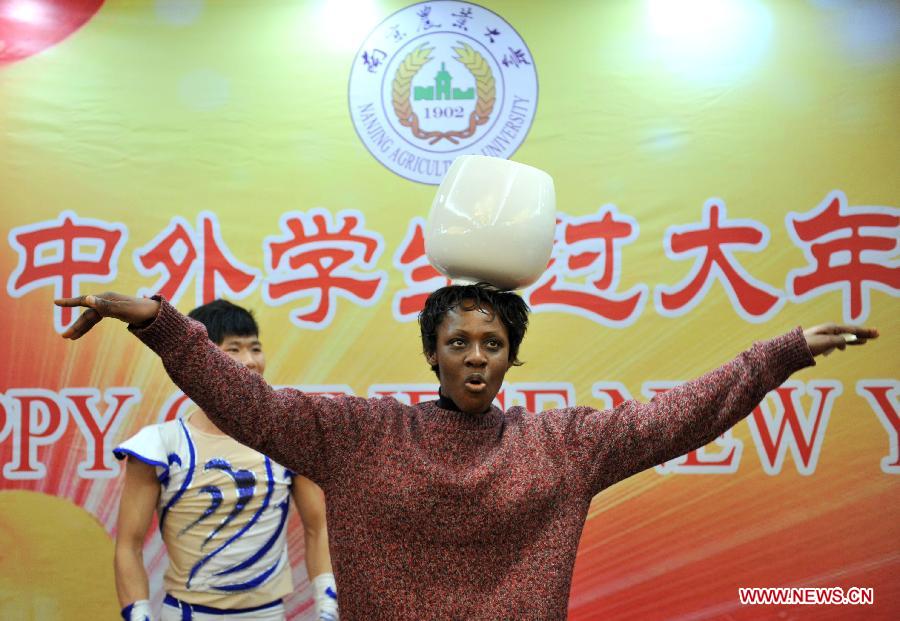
[320, 258]
[319, 261]
[180, 254]
[62, 254]
[849, 249]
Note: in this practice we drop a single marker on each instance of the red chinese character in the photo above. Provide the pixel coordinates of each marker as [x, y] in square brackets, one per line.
[590, 249]
[317, 259]
[421, 278]
[708, 243]
[64, 253]
[849, 249]
[179, 254]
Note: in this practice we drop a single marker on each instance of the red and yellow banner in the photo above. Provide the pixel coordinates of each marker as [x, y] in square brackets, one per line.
[725, 170]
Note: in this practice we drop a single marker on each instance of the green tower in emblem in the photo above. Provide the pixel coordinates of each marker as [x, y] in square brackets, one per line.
[442, 89]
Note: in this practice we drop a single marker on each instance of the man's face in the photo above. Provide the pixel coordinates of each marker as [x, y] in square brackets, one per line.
[472, 355]
[247, 350]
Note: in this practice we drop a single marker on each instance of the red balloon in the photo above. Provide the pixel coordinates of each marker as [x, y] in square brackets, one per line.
[28, 27]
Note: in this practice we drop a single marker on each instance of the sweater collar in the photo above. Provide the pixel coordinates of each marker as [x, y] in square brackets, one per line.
[445, 412]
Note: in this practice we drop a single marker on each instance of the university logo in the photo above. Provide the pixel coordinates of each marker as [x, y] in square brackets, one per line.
[441, 79]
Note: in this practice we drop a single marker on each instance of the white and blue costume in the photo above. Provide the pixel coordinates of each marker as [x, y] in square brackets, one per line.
[223, 515]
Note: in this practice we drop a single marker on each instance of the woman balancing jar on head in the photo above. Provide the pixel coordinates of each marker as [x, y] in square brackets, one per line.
[454, 508]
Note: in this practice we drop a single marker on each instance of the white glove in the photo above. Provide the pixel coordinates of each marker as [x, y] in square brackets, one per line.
[137, 611]
[325, 592]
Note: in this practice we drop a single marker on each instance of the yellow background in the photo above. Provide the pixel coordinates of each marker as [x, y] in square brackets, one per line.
[243, 112]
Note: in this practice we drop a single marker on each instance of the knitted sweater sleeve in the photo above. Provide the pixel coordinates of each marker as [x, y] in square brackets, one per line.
[304, 432]
[614, 444]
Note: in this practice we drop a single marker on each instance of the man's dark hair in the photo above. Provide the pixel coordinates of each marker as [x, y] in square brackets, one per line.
[509, 307]
[223, 319]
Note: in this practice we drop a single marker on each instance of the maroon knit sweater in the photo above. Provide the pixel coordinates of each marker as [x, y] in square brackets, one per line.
[436, 514]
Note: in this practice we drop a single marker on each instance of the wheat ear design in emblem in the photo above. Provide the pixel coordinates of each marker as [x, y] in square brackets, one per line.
[484, 85]
[402, 86]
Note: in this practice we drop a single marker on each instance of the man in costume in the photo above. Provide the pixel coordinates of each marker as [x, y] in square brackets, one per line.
[222, 509]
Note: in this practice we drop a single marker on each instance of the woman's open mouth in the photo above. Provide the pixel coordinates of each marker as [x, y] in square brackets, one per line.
[475, 382]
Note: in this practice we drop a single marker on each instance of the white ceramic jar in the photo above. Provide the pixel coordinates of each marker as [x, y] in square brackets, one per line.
[492, 220]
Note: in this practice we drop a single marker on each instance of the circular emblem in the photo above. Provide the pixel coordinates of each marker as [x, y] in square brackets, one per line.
[441, 79]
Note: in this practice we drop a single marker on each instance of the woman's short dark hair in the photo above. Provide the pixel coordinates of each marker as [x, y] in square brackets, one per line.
[509, 307]
[223, 319]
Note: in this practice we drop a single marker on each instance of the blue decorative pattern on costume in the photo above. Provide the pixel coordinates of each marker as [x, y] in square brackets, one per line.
[187, 479]
[253, 582]
[265, 547]
[215, 502]
[173, 458]
[245, 484]
[270, 487]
